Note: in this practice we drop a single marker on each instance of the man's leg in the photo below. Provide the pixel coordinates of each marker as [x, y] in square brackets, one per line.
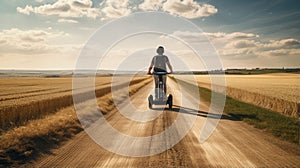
[165, 83]
[156, 85]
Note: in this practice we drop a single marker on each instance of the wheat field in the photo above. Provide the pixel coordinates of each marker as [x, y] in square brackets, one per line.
[24, 99]
[278, 92]
[57, 127]
[283, 86]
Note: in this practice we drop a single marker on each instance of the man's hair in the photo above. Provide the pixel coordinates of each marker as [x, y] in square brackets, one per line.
[160, 49]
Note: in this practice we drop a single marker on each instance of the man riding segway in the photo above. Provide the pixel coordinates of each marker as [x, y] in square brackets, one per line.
[159, 63]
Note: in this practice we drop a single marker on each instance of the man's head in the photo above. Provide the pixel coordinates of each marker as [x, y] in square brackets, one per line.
[160, 50]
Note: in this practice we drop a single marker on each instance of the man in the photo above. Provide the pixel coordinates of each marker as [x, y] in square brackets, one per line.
[159, 63]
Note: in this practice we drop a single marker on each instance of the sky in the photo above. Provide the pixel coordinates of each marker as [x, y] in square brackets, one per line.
[51, 34]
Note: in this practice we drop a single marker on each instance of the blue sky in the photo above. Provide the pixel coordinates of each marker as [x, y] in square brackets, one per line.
[272, 19]
[35, 34]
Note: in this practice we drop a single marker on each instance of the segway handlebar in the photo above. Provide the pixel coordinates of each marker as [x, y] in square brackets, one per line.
[159, 73]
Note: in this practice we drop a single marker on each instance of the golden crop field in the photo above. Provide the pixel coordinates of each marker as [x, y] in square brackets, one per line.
[24, 90]
[24, 99]
[278, 92]
[283, 86]
[62, 124]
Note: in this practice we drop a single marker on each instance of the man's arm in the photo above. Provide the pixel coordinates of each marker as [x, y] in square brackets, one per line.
[170, 67]
[150, 68]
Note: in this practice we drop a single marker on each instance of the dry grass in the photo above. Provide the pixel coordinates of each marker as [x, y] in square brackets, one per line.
[277, 92]
[21, 144]
[27, 99]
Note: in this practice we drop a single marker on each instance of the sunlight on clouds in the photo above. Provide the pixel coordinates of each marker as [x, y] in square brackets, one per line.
[234, 35]
[30, 41]
[32, 49]
[64, 8]
[189, 8]
[151, 5]
[253, 47]
[242, 44]
[284, 43]
[27, 42]
[246, 46]
[116, 8]
[281, 52]
[25, 10]
[110, 9]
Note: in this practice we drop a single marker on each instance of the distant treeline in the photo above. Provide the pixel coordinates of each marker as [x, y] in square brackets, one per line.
[70, 73]
[243, 71]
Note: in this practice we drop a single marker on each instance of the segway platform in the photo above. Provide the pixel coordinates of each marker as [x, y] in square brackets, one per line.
[166, 101]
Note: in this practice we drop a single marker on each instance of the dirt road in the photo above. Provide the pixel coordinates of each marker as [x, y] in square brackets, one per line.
[233, 143]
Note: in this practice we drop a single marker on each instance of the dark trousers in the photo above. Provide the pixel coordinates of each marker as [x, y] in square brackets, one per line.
[156, 80]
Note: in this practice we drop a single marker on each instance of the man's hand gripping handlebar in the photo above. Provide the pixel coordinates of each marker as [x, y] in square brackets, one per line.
[157, 73]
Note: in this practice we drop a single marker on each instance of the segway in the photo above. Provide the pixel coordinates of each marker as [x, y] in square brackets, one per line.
[160, 97]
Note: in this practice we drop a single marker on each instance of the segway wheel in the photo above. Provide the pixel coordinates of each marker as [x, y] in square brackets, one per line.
[150, 101]
[170, 101]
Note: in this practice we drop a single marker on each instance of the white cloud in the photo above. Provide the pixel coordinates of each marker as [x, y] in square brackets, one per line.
[237, 37]
[28, 41]
[151, 5]
[280, 52]
[189, 8]
[108, 9]
[116, 8]
[241, 53]
[64, 8]
[234, 35]
[239, 45]
[25, 10]
[67, 21]
[36, 49]
[286, 43]
[277, 52]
